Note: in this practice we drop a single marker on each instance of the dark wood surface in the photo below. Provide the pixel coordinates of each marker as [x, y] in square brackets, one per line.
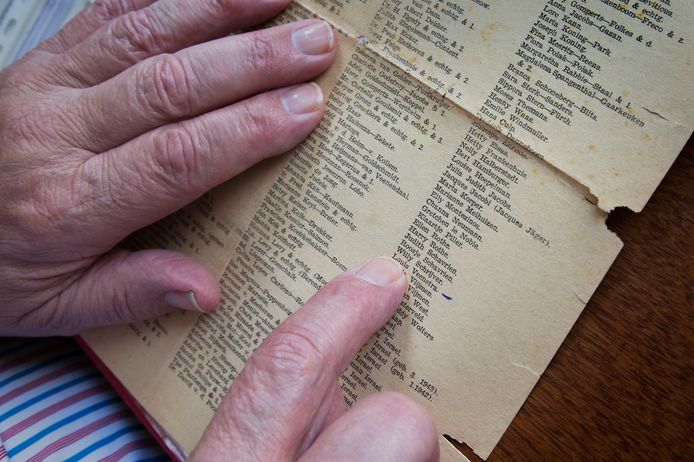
[621, 387]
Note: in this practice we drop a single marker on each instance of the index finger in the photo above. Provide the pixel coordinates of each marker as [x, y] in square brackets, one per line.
[282, 387]
[164, 26]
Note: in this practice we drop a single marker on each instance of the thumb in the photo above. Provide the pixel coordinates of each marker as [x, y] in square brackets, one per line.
[124, 286]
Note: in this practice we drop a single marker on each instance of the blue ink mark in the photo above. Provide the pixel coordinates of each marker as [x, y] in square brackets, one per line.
[447, 297]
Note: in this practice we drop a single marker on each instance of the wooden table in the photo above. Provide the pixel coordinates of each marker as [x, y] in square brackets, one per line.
[621, 386]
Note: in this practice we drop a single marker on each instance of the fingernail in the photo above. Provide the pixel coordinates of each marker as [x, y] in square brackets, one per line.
[314, 39]
[302, 99]
[183, 300]
[381, 271]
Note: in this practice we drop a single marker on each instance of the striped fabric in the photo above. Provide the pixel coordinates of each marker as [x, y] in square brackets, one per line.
[55, 406]
[25, 23]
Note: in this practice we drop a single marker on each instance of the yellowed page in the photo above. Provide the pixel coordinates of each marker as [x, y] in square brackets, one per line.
[502, 251]
[449, 453]
[603, 90]
[208, 230]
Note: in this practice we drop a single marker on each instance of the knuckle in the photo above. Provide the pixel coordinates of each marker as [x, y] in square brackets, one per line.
[255, 125]
[136, 34]
[167, 87]
[289, 353]
[176, 156]
[260, 52]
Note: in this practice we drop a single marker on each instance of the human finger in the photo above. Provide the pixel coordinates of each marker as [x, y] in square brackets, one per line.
[87, 21]
[144, 180]
[165, 26]
[333, 407]
[287, 380]
[387, 427]
[201, 78]
[122, 287]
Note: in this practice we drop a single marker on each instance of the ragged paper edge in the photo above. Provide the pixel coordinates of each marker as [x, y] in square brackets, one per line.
[360, 40]
[448, 451]
[566, 178]
[602, 201]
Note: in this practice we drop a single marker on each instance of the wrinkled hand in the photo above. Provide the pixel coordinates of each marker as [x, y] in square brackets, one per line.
[103, 131]
[286, 404]
[123, 117]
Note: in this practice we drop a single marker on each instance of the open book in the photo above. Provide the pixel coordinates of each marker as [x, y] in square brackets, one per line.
[479, 143]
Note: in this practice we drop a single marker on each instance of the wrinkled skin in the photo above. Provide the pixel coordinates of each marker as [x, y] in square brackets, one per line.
[133, 110]
[286, 404]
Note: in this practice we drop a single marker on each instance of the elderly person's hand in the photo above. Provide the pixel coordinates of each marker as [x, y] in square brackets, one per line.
[126, 115]
[123, 117]
[286, 405]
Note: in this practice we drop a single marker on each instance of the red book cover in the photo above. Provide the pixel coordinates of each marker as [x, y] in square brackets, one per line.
[165, 441]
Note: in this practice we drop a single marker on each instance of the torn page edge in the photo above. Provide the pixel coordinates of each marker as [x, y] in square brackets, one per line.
[565, 178]
[449, 453]
[606, 204]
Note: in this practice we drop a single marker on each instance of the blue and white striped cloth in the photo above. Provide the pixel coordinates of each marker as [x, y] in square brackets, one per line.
[56, 406]
[26, 23]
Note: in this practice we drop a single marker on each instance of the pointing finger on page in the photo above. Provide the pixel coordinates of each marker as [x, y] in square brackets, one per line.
[285, 390]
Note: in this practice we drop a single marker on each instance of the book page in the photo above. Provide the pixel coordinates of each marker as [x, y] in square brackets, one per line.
[601, 89]
[502, 251]
[208, 230]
